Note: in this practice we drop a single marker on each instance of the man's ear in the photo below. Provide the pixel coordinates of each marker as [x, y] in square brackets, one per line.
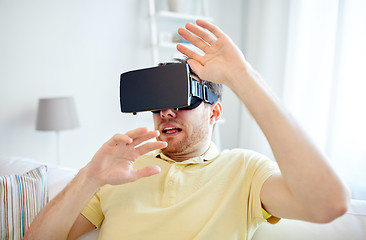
[215, 113]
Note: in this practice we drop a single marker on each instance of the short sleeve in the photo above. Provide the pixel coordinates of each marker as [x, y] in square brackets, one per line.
[271, 219]
[260, 169]
[93, 211]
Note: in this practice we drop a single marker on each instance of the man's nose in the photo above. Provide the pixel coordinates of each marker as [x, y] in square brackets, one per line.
[167, 113]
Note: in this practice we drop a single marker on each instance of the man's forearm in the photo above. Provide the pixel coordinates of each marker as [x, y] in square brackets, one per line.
[303, 167]
[57, 218]
[112, 164]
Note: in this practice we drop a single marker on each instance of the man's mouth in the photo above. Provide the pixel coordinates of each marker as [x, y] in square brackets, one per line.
[170, 130]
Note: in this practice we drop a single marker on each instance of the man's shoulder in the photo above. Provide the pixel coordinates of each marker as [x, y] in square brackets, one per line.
[241, 153]
[239, 156]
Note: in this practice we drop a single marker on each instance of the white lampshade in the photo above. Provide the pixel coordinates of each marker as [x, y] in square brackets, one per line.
[55, 114]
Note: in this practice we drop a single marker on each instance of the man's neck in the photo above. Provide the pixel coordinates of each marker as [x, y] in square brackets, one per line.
[180, 157]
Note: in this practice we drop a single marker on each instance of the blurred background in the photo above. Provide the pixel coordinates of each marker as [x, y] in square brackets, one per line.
[311, 52]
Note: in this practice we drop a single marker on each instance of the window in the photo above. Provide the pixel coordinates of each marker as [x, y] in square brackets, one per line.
[325, 83]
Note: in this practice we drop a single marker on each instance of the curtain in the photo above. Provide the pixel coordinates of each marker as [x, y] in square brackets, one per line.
[325, 81]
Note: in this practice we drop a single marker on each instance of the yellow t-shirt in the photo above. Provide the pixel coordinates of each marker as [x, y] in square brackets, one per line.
[214, 196]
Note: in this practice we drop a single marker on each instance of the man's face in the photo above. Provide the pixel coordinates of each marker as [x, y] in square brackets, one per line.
[187, 132]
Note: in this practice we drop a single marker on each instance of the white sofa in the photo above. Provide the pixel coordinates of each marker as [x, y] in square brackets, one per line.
[350, 226]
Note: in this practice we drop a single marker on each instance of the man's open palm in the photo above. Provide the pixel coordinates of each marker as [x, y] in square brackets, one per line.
[113, 163]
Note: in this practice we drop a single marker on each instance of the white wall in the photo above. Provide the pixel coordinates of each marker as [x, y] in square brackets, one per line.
[265, 45]
[76, 48]
[230, 17]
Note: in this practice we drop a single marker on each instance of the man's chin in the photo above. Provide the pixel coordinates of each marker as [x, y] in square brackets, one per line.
[174, 148]
[173, 142]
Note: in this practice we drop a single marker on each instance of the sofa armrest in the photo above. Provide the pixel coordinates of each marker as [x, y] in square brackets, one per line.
[351, 225]
[57, 177]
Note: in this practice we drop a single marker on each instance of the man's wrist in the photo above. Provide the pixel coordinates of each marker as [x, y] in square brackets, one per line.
[89, 182]
[237, 78]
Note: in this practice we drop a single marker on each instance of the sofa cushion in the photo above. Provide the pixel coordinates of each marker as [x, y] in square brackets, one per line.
[21, 198]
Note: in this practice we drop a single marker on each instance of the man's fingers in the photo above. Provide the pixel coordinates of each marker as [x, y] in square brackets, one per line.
[192, 61]
[133, 137]
[144, 172]
[196, 41]
[150, 146]
[119, 138]
[202, 33]
[135, 133]
[210, 27]
[196, 67]
[189, 53]
[147, 136]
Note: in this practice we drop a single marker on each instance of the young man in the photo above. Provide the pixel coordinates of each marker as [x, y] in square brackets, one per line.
[191, 191]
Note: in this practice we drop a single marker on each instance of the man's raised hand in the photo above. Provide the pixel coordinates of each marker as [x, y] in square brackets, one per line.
[113, 163]
[221, 59]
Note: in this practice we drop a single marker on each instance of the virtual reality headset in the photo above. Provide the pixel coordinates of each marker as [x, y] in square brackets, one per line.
[168, 86]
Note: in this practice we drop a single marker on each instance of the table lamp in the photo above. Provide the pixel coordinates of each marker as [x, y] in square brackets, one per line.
[56, 114]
